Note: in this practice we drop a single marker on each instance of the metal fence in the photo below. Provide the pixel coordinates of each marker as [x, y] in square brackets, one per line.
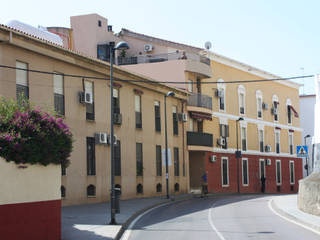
[199, 100]
[199, 139]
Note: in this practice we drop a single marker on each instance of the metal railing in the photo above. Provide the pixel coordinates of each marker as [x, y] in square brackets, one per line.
[152, 58]
[199, 100]
[199, 139]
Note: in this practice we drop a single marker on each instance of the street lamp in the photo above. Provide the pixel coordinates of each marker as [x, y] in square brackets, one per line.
[238, 153]
[305, 143]
[169, 94]
[119, 46]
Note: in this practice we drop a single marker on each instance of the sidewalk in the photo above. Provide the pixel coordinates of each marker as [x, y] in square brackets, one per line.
[90, 222]
[286, 206]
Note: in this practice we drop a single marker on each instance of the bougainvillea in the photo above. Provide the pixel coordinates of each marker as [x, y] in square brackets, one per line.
[29, 135]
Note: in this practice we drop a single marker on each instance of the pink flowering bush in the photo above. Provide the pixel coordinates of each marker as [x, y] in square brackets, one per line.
[29, 135]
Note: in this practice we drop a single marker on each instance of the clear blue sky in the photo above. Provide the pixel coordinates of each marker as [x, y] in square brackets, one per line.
[280, 37]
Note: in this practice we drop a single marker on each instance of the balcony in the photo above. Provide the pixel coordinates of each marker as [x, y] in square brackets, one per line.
[200, 105]
[198, 141]
[189, 62]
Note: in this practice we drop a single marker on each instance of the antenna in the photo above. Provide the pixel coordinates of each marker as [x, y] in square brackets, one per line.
[207, 45]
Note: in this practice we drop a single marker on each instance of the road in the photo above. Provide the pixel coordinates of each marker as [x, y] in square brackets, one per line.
[222, 218]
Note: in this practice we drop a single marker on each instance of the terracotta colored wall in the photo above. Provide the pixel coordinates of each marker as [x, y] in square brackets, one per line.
[215, 177]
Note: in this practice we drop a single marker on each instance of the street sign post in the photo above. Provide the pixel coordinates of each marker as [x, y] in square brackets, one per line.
[302, 151]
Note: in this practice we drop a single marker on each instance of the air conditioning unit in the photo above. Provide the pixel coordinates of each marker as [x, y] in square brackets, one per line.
[101, 138]
[268, 148]
[274, 111]
[85, 97]
[218, 93]
[221, 141]
[147, 47]
[268, 162]
[183, 117]
[213, 158]
[117, 118]
[115, 139]
[265, 106]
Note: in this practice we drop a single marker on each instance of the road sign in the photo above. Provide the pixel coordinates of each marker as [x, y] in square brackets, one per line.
[302, 151]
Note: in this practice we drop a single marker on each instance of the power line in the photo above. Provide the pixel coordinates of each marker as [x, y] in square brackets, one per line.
[153, 81]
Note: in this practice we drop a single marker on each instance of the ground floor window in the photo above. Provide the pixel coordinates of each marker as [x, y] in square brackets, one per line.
[291, 168]
[245, 175]
[225, 171]
[278, 172]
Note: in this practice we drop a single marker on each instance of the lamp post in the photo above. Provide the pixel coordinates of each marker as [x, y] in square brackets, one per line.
[119, 46]
[238, 153]
[169, 94]
[305, 143]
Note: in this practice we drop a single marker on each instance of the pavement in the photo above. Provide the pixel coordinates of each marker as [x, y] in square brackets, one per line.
[90, 221]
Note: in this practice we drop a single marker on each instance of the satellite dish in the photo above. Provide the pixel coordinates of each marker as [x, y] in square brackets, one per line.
[208, 45]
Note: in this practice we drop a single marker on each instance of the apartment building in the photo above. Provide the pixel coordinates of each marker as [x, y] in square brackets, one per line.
[138, 118]
[265, 114]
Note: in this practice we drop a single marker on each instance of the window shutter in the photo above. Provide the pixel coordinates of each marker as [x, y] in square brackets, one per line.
[58, 84]
[21, 75]
[227, 130]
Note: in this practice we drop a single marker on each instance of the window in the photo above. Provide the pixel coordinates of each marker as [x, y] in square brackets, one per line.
[158, 161]
[224, 133]
[159, 187]
[275, 108]
[262, 167]
[91, 158]
[244, 138]
[221, 99]
[291, 168]
[291, 142]
[176, 187]
[157, 117]
[91, 191]
[63, 192]
[176, 162]
[225, 171]
[259, 107]
[190, 86]
[139, 188]
[191, 128]
[137, 100]
[245, 174]
[58, 84]
[116, 100]
[175, 120]
[242, 102]
[139, 159]
[277, 140]
[22, 84]
[278, 172]
[88, 87]
[99, 23]
[261, 140]
[289, 114]
[117, 158]
[63, 170]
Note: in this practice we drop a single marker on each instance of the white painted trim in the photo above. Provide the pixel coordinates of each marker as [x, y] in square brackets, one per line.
[278, 183]
[245, 159]
[264, 168]
[225, 185]
[223, 120]
[241, 137]
[242, 91]
[294, 177]
[257, 121]
[250, 69]
[259, 96]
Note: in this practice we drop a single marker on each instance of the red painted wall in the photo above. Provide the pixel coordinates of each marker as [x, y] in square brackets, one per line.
[31, 221]
[215, 177]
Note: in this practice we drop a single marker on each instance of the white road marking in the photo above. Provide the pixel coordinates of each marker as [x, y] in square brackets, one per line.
[212, 225]
[289, 220]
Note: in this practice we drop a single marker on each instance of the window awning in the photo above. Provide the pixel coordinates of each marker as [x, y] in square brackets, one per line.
[294, 111]
[198, 115]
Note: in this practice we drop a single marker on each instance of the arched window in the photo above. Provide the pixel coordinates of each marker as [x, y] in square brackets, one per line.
[139, 188]
[259, 104]
[289, 110]
[63, 192]
[91, 191]
[242, 99]
[176, 187]
[275, 108]
[221, 94]
[159, 187]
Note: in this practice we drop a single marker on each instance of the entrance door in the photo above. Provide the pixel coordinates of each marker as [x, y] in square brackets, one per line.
[262, 168]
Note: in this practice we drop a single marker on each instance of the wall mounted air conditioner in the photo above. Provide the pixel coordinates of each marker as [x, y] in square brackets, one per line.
[268, 148]
[221, 141]
[183, 117]
[147, 47]
[265, 106]
[269, 162]
[213, 158]
[85, 98]
[101, 138]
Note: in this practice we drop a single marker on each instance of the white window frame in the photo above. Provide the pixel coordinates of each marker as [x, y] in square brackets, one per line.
[190, 86]
[242, 91]
[277, 131]
[290, 137]
[278, 183]
[243, 125]
[264, 169]
[137, 103]
[291, 182]
[222, 87]
[228, 184]
[276, 99]
[259, 136]
[245, 159]
[259, 106]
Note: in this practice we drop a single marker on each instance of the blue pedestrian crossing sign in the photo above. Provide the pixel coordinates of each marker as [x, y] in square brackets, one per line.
[302, 151]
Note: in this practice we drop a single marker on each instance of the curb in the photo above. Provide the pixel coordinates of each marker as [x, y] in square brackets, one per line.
[293, 218]
[136, 214]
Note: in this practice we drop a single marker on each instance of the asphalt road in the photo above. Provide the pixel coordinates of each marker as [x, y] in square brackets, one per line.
[221, 218]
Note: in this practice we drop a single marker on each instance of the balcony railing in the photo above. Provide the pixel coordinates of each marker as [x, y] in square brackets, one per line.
[152, 58]
[199, 100]
[199, 139]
